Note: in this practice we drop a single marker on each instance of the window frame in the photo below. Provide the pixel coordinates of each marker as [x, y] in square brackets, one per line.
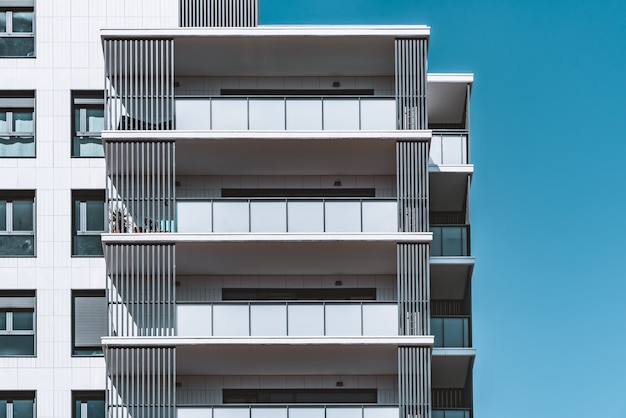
[86, 351]
[81, 102]
[82, 197]
[22, 395]
[11, 6]
[9, 315]
[9, 196]
[84, 397]
[13, 102]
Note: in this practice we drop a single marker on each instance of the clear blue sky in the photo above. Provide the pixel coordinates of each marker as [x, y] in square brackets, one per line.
[548, 193]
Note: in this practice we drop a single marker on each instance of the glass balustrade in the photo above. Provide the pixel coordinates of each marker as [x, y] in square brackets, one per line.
[450, 332]
[286, 113]
[269, 319]
[287, 215]
[290, 411]
[449, 147]
[450, 240]
[451, 413]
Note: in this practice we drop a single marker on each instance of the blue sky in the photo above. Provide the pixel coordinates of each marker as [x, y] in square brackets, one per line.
[548, 144]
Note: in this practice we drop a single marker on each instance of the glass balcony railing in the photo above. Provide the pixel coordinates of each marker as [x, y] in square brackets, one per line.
[286, 113]
[264, 319]
[287, 215]
[450, 331]
[290, 411]
[451, 413]
[449, 147]
[450, 240]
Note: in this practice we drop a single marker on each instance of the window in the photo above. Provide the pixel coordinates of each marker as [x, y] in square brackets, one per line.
[17, 123]
[88, 405]
[88, 114]
[89, 313]
[17, 28]
[17, 404]
[356, 396]
[17, 223]
[17, 323]
[88, 215]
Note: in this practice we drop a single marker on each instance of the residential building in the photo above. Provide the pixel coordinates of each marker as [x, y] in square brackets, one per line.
[205, 216]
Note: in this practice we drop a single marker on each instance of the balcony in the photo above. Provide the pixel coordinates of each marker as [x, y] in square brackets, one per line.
[450, 240]
[450, 331]
[287, 215]
[265, 319]
[290, 411]
[298, 113]
[449, 147]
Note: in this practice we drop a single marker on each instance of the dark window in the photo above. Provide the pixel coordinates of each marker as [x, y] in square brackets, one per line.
[17, 123]
[17, 404]
[88, 405]
[88, 116]
[17, 223]
[17, 323]
[89, 322]
[299, 294]
[326, 396]
[88, 213]
[17, 29]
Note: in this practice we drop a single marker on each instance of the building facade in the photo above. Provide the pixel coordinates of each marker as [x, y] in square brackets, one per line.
[202, 216]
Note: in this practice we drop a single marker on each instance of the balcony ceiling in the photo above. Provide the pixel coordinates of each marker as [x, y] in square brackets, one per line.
[446, 102]
[449, 277]
[451, 367]
[448, 191]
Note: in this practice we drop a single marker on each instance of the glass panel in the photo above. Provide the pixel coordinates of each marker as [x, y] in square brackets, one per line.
[435, 150]
[268, 413]
[304, 114]
[17, 146]
[378, 114]
[3, 215]
[377, 412]
[3, 322]
[88, 146]
[23, 122]
[193, 114]
[343, 320]
[230, 413]
[343, 217]
[305, 217]
[305, 320]
[268, 216]
[17, 47]
[193, 320]
[380, 216]
[17, 345]
[230, 114]
[231, 320]
[193, 413]
[17, 245]
[436, 328]
[23, 321]
[453, 241]
[95, 121]
[338, 412]
[231, 217]
[194, 216]
[453, 149]
[3, 26]
[22, 215]
[307, 412]
[436, 249]
[438, 414]
[379, 320]
[267, 114]
[268, 320]
[95, 215]
[456, 414]
[3, 408]
[4, 127]
[87, 245]
[22, 409]
[341, 114]
[96, 409]
[23, 22]
[453, 332]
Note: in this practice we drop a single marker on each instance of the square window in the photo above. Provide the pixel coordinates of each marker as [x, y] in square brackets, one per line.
[88, 213]
[17, 323]
[89, 322]
[17, 223]
[17, 123]
[88, 114]
[17, 28]
[89, 404]
[17, 404]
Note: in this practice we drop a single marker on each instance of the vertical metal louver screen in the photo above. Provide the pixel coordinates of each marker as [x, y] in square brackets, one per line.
[139, 81]
[414, 377]
[218, 13]
[411, 83]
[141, 289]
[141, 382]
[141, 186]
[412, 185]
[414, 289]
[90, 320]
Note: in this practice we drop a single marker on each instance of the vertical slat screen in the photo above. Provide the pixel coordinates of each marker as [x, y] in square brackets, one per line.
[414, 381]
[412, 185]
[141, 382]
[141, 188]
[411, 68]
[218, 13]
[139, 81]
[141, 289]
[414, 288]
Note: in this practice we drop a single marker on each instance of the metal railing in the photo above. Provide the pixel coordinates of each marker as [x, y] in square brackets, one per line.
[290, 411]
[287, 215]
[286, 113]
[451, 331]
[449, 147]
[450, 240]
[276, 318]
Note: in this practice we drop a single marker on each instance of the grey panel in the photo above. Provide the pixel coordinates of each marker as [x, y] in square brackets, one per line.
[17, 102]
[218, 13]
[20, 302]
[90, 320]
[411, 83]
[17, 3]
